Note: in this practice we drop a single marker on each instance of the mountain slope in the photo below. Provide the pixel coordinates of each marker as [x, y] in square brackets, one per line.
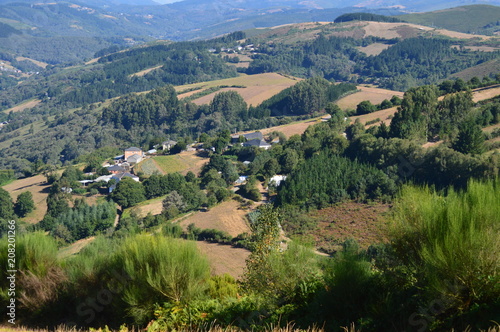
[478, 19]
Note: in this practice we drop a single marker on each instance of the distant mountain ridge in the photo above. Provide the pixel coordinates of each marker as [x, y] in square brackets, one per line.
[75, 30]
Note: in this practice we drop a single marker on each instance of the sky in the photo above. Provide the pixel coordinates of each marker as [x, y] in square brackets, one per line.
[166, 1]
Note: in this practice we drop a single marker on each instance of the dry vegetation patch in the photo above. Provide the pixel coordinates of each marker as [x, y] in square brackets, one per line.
[374, 95]
[374, 49]
[144, 72]
[74, 248]
[224, 258]
[486, 93]
[364, 223]
[39, 188]
[292, 128]
[227, 217]
[21, 107]
[253, 88]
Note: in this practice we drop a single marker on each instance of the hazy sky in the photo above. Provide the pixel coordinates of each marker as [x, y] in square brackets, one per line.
[166, 1]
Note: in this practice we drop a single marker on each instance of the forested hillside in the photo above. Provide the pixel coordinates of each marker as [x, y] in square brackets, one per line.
[444, 201]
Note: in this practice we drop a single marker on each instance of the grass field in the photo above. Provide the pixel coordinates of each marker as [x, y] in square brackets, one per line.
[224, 258]
[74, 248]
[183, 162]
[21, 107]
[486, 93]
[464, 19]
[292, 128]
[153, 206]
[257, 88]
[361, 222]
[38, 188]
[481, 70]
[38, 63]
[408, 30]
[374, 95]
[144, 72]
[227, 217]
[373, 49]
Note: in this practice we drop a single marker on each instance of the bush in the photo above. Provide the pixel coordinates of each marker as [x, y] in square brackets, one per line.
[452, 244]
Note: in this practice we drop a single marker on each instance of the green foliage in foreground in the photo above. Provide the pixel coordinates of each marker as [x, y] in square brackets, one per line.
[452, 243]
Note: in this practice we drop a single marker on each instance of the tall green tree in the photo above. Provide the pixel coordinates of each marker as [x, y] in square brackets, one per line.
[470, 139]
[6, 205]
[24, 204]
[128, 193]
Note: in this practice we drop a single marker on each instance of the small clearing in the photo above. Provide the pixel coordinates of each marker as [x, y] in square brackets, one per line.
[39, 188]
[385, 116]
[489, 129]
[253, 88]
[227, 217]
[153, 206]
[374, 49]
[36, 62]
[144, 72]
[224, 258]
[364, 223]
[74, 248]
[408, 30]
[296, 128]
[484, 69]
[374, 95]
[486, 93]
[183, 162]
[21, 107]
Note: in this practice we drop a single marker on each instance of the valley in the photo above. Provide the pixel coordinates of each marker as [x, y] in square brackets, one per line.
[276, 166]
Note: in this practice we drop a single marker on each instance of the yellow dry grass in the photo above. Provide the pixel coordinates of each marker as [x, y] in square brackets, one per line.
[373, 49]
[257, 88]
[23, 106]
[489, 129]
[484, 94]
[144, 72]
[374, 95]
[36, 62]
[296, 128]
[227, 217]
[39, 188]
[224, 258]
[153, 206]
[384, 116]
[74, 248]
[404, 30]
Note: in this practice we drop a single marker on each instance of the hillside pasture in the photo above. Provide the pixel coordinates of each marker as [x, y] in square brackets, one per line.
[486, 93]
[364, 223]
[153, 206]
[227, 217]
[253, 88]
[144, 72]
[373, 49]
[224, 258]
[74, 248]
[184, 162]
[39, 188]
[408, 30]
[385, 116]
[487, 68]
[295, 128]
[25, 105]
[38, 63]
[374, 95]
